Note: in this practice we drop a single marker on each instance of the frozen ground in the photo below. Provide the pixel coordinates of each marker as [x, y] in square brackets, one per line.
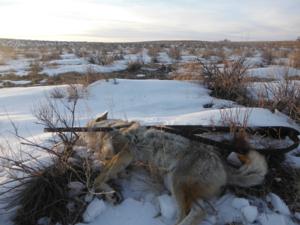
[274, 72]
[151, 102]
[69, 62]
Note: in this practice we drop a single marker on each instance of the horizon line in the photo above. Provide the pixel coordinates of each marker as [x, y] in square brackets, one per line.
[145, 41]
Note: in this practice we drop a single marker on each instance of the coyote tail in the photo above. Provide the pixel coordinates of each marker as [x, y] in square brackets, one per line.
[251, 173]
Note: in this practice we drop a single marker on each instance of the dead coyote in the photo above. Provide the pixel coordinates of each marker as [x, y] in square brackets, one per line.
[192, 171]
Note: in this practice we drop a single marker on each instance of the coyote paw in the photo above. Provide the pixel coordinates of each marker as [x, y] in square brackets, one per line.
[114, 197]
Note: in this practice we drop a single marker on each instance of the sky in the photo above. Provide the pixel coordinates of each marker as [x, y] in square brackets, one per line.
[145, 20]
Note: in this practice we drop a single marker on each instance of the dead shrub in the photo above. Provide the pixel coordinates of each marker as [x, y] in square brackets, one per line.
[8, 52]
[31, 54]
[2, 61]
[229, 81]
[208, 53]
[294, 59]
[91, 76]
[267, 56]
[76, 92]
[175, 53]
[153, 51]
[54, 55]
[284, 96]
[134, 66]
[187, 71]
[35, 68]
[44, 195]
[44, 191]
[57, 93]
[101, 58]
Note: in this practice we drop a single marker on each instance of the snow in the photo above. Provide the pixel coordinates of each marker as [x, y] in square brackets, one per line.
[44, 221]
[17, 82]
[239, 203]
[71, 63]
[18, 66]
[140, 75]
[188, 58]
[95, 208]
[250, 213]
[273, 72]
[68, 61]
[138, 57]
[272, 219]
[129, 212]
[164, 58]
[84, 68]
[278, 204]
[254, 61]
[167, 206]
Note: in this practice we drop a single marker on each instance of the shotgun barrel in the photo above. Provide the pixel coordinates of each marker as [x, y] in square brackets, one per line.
[193, 132]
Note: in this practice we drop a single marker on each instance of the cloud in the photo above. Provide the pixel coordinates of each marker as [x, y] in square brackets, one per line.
[151, 20]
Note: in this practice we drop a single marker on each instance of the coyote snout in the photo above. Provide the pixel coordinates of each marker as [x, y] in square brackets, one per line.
[193, 171]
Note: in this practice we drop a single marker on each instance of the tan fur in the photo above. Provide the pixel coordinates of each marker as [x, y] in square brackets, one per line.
[192, 170]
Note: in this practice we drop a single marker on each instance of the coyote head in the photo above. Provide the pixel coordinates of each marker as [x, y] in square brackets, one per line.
[107, 144]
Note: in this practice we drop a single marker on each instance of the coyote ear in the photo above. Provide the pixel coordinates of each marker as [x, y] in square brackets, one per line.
[102, 117]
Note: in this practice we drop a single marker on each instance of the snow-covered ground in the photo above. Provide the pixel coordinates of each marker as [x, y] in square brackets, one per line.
[150, 102]
[18, 66]
[274, 72]
[70, 62]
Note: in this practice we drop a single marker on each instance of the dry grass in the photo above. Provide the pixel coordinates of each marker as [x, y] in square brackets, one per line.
[35, 68]
[102, 58]
[57, 93]
[284, 96]
[52, 55]
[228, 82]
[42, 191]
[134, 66]
[267, 56]
[44, 195]
[45, 191]
[76, 92]
[294, 59]
[8, 52]
[175, 53]
[153, 51]
[187, 71]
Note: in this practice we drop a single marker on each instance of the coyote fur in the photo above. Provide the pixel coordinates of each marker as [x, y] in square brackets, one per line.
[193, 172]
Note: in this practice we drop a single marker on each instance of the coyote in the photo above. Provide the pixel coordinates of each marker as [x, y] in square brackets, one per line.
[193, 172]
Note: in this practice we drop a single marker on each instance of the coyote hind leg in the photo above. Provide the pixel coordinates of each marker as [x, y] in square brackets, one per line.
[194, 217]
[183, 206]
[186, 194]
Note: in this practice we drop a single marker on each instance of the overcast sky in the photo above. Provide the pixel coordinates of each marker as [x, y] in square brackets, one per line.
[142, 20]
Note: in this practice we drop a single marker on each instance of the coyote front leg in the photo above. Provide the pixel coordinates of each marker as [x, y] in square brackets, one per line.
[114, 166]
